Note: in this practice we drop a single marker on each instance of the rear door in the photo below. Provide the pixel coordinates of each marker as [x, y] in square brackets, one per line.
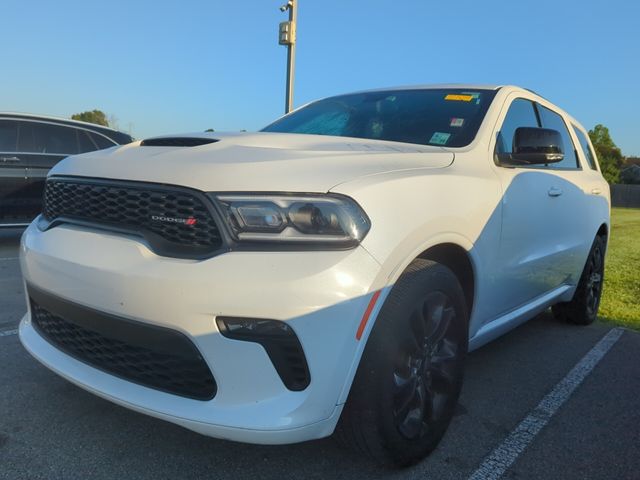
[594, 183]
[13, 171]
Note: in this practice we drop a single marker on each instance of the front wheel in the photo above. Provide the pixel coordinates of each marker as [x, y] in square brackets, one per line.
[409, 379]
[583, 308]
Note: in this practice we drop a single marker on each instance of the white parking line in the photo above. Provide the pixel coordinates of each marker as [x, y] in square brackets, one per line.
[8, 258]
[6, 333]
[503, 456]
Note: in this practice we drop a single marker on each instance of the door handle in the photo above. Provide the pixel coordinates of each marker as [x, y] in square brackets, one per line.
[596, 191]
[9, 159]
[554, 192]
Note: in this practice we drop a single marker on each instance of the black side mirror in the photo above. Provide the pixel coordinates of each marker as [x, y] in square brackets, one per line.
[534, 146]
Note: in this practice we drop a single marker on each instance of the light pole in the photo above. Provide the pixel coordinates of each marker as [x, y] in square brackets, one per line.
[287, 36]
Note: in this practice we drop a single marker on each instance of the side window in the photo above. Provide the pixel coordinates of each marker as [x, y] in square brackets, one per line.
[586, 148]
[8, 136]
[26, 137]
[101, 141]
[85, 142]
[50, 138]
[521, 114]
[551, 119]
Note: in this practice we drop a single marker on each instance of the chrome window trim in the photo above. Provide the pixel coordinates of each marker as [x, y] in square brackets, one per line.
[36, 153]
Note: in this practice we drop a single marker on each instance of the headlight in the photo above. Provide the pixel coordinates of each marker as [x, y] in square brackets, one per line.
[325, 219]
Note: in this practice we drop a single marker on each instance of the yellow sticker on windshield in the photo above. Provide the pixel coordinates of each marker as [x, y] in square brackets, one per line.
[459, 98]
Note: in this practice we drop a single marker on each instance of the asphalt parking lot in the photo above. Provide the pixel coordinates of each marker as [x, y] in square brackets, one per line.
[588, 425]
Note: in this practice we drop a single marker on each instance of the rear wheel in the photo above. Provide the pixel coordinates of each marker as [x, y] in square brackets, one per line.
[583, 308]
[409, 379]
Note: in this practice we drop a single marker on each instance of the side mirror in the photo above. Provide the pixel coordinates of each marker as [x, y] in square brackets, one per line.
[534, 146]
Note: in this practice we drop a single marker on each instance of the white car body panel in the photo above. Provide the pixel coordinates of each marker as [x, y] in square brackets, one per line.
[527, 250]
[244, 162]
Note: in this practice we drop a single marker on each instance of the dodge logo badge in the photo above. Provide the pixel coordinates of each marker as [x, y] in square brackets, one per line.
[183, 221]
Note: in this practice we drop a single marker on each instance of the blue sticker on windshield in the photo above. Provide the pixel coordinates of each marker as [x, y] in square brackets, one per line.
[474, 97]
[439, 138]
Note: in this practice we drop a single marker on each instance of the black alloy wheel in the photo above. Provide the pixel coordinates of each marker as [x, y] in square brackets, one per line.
[408, 382]
[424, 377]
[583, 308]
[595, 276]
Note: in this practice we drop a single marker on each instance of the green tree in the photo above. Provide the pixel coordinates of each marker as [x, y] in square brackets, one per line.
[92, 116]
[609, 155]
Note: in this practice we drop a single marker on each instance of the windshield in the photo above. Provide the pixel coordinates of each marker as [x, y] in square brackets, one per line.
[442, 117]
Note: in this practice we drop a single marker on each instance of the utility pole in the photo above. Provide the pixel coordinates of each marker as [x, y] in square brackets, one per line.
[287, 37]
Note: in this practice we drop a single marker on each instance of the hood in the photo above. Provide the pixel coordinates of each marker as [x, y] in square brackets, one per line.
[254, 161]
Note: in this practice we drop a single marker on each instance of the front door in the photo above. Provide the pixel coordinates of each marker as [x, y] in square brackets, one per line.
[45, 145]
[535, 243]
[13, 170]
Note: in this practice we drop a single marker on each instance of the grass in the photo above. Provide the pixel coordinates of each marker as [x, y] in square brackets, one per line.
[621, 295]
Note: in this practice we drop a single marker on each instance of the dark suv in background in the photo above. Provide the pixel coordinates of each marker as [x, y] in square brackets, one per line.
[30, 146]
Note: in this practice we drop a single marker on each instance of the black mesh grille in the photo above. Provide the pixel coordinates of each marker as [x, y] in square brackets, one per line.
[179, 370]
[175, 221]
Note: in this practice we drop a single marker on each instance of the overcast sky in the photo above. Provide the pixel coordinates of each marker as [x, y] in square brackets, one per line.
[161, 67]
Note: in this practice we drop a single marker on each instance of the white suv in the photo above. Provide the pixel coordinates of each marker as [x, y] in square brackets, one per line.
[330, 270]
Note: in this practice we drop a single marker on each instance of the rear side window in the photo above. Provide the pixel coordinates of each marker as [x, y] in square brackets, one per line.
[101, 141]
[49, 138]
[551, 119]
[8, 135]
[521, 114]
[586, 148]
[85, 142]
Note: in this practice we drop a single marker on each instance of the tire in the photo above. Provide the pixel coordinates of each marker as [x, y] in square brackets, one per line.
[583, 308]
[409, 379]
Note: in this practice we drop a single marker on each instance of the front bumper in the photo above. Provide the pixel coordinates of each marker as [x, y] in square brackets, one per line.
[321, 296]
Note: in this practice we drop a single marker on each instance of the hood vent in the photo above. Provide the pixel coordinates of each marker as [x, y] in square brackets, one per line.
[177, 142]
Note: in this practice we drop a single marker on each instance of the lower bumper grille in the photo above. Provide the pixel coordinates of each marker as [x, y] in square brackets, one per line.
[155, 357]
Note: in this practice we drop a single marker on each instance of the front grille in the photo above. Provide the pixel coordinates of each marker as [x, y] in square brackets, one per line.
[175, 221]
[155, 357]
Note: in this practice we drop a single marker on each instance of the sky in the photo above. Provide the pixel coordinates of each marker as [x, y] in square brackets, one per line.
[164, 67]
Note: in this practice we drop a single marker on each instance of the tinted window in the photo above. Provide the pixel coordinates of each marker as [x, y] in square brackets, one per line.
[521, 114]
[8, 135]
[443, 117]
[551, 119]
[85, 142]
[50, 138]
[101, 141]
[26, 137]
[586, 148]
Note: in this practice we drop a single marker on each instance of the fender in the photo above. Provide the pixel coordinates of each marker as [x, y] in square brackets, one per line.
[389, 274]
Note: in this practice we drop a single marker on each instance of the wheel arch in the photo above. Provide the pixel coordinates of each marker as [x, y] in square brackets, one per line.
[458, 260]
[452, 250]
[603, 231]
